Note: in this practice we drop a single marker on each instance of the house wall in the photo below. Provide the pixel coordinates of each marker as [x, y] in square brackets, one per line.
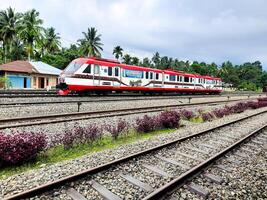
[19, 80]
[43, 81]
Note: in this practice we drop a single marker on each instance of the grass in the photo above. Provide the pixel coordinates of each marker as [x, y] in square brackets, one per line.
[58, 154]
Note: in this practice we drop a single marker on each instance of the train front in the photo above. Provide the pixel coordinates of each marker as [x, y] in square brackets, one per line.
[66, 78]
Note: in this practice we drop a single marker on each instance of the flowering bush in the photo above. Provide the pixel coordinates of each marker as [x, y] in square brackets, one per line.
[117, 129]
[147, 124]
[21, 147]
[169, 119]
[187, 114]
[219, 113]
[253, 104]
[207, 116]
[81, 135]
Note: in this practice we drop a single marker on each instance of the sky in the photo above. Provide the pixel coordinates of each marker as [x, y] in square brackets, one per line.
[202, 30]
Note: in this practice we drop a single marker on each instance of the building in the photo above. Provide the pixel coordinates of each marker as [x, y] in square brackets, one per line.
[29, 74]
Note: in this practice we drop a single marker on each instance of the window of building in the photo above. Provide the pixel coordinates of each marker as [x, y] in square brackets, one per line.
[157, 76]
[47, 81]
[147, 76]
[186, 79]
[116, 71]
[109, 71]
[172, 77]
[87, 69]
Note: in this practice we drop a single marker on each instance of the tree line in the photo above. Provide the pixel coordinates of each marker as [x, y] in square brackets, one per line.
[22, 37]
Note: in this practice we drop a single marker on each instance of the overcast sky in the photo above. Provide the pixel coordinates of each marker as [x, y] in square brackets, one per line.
[203, 30]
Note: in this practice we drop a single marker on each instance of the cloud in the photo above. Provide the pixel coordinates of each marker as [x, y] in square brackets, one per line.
[207, 30]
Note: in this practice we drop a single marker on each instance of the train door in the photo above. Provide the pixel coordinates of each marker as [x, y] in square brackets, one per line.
[117, 75]
[96, 75]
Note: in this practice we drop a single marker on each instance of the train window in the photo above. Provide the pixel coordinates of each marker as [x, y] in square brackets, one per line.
[87, 69]
[116, 71]
[186, 79]
[172, 77]
[157, 76]
[72, 67]
[147, 75]
[151, 75]
[109, 71]
[181, 78]
[96, 71]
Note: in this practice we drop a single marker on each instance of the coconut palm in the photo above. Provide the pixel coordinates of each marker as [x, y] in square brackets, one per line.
[51, 43]
[30, 30]
[91, 44]
[9, 22]
[117, 51]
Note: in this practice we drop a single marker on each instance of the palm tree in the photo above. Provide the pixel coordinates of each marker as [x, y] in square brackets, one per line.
[117, 51]
[30, 30]
[91, 44]
[51, 43]
[9, 22]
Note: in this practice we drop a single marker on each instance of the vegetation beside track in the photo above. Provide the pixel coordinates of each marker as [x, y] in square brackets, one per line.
[80, 141]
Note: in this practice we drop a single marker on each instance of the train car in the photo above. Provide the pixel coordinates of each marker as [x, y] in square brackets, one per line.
[100, 76]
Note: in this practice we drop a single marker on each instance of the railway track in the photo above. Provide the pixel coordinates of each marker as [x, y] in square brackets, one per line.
[95, 99]
[201, 148]
[65, 117]
[53, 93]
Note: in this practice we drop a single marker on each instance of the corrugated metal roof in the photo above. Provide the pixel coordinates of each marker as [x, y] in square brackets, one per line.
[44, 68]
[18, 66]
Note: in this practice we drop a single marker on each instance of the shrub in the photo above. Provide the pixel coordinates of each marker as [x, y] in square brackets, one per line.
[147, 124]
[207, 116]
[81, 135]
[21, 147]
[187, 114]
[169, 119]
[253, 104]
[117, 129]
[238, 107]
[219, 113]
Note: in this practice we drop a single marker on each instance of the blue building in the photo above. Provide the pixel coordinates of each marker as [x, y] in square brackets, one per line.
[29, 75]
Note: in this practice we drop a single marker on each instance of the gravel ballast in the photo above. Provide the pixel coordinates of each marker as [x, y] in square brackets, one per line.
[46, 109]
[245, 180]
[36, 177]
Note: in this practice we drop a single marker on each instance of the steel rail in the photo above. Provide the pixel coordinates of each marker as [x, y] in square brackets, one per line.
[188, 175]
[60, 182]
[93, 114]
[112, 100]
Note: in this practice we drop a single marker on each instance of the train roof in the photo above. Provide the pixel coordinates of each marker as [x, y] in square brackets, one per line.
[113, 63]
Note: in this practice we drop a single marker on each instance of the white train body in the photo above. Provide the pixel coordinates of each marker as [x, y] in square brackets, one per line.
[101, 75]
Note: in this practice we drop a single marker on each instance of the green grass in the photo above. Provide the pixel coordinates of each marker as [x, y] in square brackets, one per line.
[58, 154]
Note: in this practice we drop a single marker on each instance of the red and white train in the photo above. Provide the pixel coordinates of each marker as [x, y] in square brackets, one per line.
[96, 75]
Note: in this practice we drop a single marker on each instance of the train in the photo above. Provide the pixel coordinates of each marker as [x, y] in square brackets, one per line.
[102, 76]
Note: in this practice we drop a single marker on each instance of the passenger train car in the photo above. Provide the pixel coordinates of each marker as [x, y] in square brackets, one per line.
[96, 75]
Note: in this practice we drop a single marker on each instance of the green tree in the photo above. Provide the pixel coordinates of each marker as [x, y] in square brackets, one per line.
[91, 44]
[126, 59]
[156, 60]
[146, 63]
[51, 42]
[117, 51]
[30, 30]
[9, 23]
[135, 61]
